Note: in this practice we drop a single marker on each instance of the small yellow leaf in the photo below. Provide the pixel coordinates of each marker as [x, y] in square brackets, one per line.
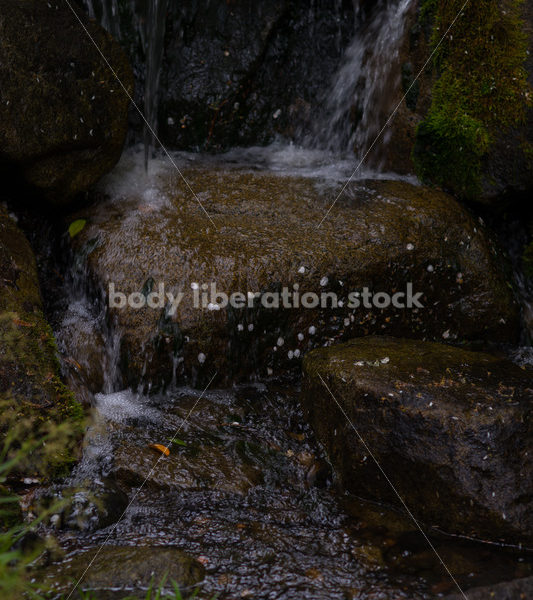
[76, 226]
[160, 448]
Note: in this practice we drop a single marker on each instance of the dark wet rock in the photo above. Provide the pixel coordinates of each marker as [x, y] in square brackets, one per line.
[63, 115]
[415, 47]
[84, 352]
[94, 507]
[451, 429]
[202, 468]
[238, 73]
[519, 589]
[383, 236]
[32, 394]
[127, 567]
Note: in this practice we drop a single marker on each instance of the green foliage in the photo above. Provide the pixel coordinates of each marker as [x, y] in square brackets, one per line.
[527, 261]
[482, 89]
[37, 401]
[46, 440]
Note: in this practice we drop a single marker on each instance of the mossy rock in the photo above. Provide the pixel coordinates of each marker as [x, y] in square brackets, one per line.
[34, 401]
[450, 428]
[475, 140]
[129, 567]
[381, 235]
[63, 115]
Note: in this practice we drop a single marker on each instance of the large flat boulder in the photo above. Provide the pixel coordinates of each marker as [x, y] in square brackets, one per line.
[452, 430]
[263, 235]
[63, 114]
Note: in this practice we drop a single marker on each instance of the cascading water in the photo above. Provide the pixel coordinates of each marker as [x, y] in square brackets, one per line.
[154, 38]
[148, 29]
[107, 12]
[355, 106]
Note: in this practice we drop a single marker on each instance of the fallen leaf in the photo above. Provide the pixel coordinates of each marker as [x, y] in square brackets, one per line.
[76, 226]
[73, 362]
[160, 448]
[21, 323]
[177, 441]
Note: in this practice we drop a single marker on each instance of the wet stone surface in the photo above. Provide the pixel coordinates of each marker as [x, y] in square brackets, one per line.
[246, 494]
[149, 234]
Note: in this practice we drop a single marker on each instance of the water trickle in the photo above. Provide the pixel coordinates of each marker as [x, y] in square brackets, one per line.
[148, 26]
[154, 39]
[359, 97]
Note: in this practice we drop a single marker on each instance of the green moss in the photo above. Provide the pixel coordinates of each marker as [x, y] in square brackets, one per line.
[527, 261]
[482, 89]
[410, 86]
[36, 401]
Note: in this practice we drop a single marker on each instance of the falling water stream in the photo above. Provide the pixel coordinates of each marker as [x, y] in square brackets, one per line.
[356, 101]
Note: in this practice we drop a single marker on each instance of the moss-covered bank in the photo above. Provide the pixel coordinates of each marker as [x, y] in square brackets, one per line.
[34, 403]
[482, 92]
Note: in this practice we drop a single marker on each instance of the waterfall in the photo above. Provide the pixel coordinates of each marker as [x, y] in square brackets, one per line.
[148, 30]
[107, 13]
[359, 99]
[154, 44]
[361, 89]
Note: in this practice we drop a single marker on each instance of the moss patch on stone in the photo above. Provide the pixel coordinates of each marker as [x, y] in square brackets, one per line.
[35, 405]
[527, 261]
[482, 89]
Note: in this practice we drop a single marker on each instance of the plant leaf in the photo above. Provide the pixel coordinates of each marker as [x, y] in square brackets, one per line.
[76, 226]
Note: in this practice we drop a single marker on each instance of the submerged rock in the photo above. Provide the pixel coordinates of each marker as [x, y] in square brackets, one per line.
[262, 235]
[131, 568]
[63, 114]
[519, 589]
[451, 429]
[32, 395]
[94, 506]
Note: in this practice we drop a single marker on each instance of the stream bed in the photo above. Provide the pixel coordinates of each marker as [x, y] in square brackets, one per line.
[245, 505]
[246, 493]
